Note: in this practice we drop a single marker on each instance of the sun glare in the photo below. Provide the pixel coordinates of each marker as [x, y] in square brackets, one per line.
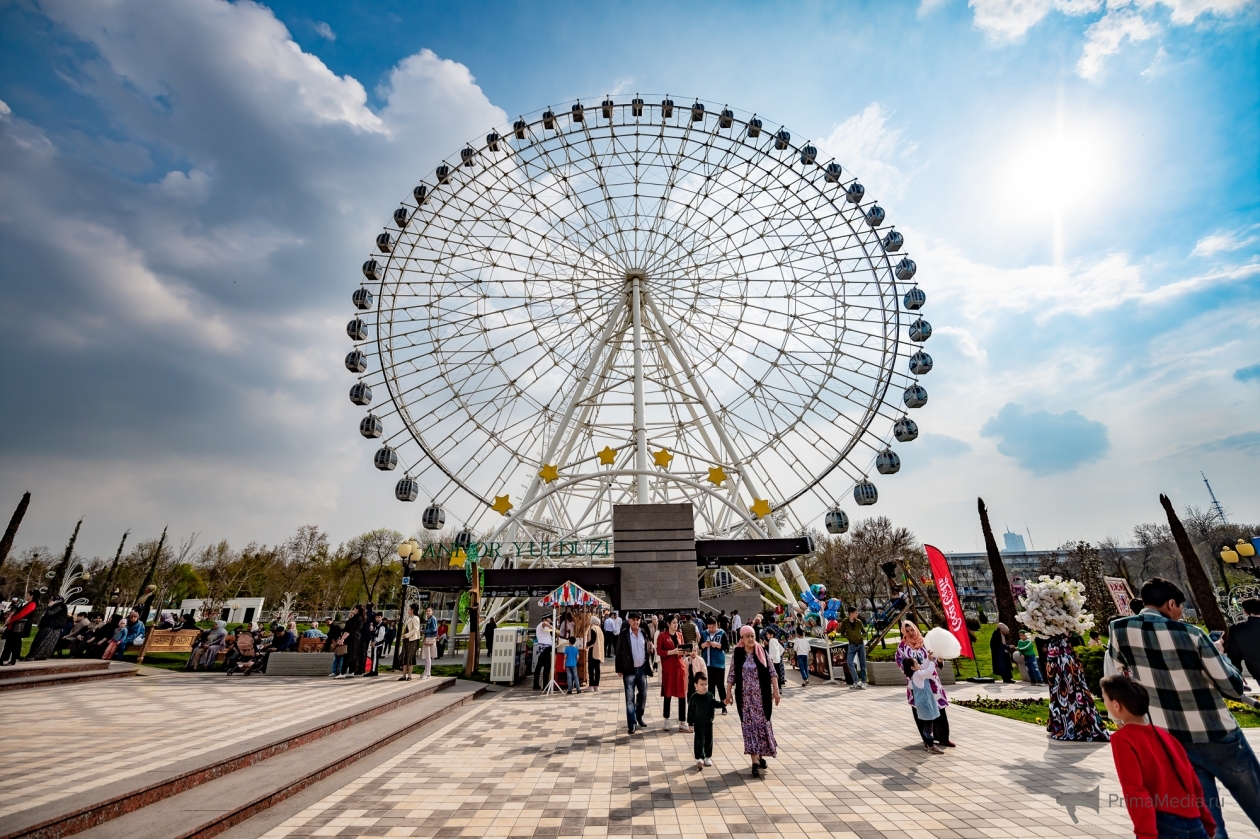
[1053, 177]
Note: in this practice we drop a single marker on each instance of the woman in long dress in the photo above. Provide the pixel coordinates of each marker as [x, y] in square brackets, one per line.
[1000, 648]
[673, 672]
[203, 657]
[51, 626]
[755, 693]
[912, 646]
[411, 635]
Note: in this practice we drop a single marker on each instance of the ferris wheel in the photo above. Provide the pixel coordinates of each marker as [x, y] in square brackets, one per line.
[638, 302]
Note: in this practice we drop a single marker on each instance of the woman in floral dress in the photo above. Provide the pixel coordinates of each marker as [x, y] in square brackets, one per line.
[755, 693]
[912, 647]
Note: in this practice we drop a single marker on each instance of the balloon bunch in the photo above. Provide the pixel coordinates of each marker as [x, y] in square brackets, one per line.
[819, 607]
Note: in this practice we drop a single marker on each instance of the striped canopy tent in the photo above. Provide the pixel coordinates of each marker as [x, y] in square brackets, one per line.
[570, 594]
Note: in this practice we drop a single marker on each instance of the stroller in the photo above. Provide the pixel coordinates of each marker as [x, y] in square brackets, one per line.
[244, 659]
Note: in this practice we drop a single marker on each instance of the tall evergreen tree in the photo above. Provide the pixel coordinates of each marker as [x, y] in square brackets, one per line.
[1201, 589]
[1098, 597]
[10, 532]
[58, 575]
[1001, 582]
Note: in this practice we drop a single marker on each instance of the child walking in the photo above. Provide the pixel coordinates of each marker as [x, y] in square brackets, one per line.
[1161, 790]
[700, 710]
[571, 666]
[926, 711]
[800, 646]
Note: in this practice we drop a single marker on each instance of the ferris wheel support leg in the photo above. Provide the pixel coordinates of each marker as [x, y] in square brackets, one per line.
[579, 391]
[782, 581]
[688, 371]
[769, 591]
[798, 575]
[640, 421]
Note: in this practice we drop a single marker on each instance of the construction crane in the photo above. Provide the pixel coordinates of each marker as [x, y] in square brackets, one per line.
[1216, 505]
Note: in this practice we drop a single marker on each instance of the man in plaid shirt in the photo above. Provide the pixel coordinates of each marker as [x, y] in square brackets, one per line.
[1188, 680]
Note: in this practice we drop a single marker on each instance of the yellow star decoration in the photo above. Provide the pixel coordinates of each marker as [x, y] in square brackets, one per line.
[607, 456]
[760, 508]
[501, 505]
[662, 458]
[459, 558]
[717, 475]
[549, 472]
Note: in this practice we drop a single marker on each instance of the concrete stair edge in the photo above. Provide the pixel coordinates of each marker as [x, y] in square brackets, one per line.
[69, 665]
[224, 822]
[90, 815]
[50, 680]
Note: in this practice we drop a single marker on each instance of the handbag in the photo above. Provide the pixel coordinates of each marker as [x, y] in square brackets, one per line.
[341, 649]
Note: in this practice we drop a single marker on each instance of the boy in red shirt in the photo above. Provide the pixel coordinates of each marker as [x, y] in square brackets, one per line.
[1161, 790]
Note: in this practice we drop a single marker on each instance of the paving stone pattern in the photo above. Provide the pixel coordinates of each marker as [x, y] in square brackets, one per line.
[849, 765]
[64, 741]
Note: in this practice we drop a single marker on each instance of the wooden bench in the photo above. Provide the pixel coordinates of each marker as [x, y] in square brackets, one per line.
[168, 641]
[310, 645]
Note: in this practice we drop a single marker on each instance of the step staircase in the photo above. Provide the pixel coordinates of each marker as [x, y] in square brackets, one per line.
[34, 674]
[222, 790]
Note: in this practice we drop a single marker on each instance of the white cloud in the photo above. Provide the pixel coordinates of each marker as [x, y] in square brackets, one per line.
[1188, 11]
[4, 109]
[967, 343]
[238, 51]
[1082, 288]
[325, 31]
[1104, 38]
[927, 7]
[866, 147]
[1008, 20]
[1158, 64]
[203, 303]
[1226, 242]
[193, 185]
[1004, 21]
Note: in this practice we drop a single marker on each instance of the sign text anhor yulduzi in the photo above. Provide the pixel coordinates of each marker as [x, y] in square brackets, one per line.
[554, 550]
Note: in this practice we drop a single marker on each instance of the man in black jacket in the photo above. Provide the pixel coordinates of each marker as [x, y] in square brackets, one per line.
[630, 660]
[1244, 639]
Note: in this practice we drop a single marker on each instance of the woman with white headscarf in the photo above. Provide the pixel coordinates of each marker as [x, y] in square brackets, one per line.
[755, 692]
[211, 646]
[913, 648]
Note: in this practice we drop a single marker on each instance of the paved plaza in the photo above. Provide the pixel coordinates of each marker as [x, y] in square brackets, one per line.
[522, 765]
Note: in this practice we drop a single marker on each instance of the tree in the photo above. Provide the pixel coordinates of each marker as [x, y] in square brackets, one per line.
[1109, 550]
[1098, 597]
[1001, 582]
[10, 532]
[375, 554]
[59, 573]
[1204, 595]
[304, 550]
[851, 565]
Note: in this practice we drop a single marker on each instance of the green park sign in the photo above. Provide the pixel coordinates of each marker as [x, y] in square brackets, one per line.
[552, 550]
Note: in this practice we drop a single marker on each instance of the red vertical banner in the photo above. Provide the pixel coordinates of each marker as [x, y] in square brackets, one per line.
[950, 601]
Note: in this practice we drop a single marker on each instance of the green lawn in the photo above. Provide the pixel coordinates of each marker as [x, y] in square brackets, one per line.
[1037, 711]
[965, 667]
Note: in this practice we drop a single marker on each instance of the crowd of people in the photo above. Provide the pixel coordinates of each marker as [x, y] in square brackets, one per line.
[358, 643]
[705, 664]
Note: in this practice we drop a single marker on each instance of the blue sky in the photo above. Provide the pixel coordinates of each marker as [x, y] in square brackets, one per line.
[187, 189]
